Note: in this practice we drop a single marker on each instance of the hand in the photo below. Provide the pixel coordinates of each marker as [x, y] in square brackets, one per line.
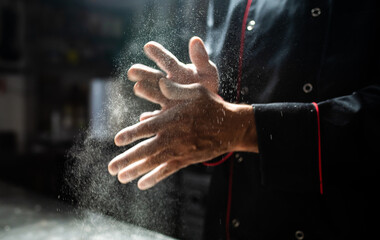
[198, 128]
[202, 71]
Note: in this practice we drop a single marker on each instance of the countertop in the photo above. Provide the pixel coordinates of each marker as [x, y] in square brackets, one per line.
[25, 215]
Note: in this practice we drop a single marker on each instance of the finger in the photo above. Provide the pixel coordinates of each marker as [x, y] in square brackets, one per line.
[131, 172]
[147, 115]
[147, 128]
[140, 151]
[147, 83]
[140, 72]
[198, 55]
[141, 167]
[177, 91]
[162, 57]
[159, 173]
[150, 91]
[137, 131]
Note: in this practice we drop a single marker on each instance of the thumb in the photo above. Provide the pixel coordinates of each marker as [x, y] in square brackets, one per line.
[198, 54]
[177, 91]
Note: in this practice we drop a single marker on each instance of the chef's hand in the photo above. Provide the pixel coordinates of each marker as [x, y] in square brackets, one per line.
[202, 71]
[198, 128]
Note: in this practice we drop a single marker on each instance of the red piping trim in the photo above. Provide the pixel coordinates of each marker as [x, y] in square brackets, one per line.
[213, 164]
[319, 149]
[238, 87]
[229, 199]
[240, 70]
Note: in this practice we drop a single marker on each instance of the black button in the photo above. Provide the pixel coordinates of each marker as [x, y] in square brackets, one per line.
[299, 235]
[315, 12]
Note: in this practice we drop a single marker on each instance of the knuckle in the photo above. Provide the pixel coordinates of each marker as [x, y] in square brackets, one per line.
[198, 87]
[200, 90]
[175, 154]
[160, 139]
[169, 154]
[154, 161]
[173, 166]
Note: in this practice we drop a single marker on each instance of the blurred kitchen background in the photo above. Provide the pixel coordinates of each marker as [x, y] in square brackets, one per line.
[53, 56]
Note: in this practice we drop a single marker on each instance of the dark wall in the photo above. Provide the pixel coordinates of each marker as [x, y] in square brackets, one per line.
[50, 52]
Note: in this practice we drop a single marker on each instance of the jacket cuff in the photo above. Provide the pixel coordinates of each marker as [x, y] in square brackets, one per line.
[288, 145]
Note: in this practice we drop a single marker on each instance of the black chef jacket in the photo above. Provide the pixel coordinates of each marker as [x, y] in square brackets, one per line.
[297, 52]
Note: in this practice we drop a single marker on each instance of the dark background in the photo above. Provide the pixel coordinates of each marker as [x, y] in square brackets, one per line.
[51, 51]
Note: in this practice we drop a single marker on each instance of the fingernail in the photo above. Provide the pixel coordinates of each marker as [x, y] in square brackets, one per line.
[112, 169]
[143, 185]
[198, 44]
[124, 178]
[117, 141]
[148, 47]
[120, 140]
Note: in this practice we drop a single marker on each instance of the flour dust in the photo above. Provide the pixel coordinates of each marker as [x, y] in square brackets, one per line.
[88, 183]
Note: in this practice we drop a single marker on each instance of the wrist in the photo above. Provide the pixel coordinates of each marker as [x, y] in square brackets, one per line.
[243, 128]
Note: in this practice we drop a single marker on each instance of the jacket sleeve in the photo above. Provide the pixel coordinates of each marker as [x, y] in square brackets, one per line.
[288, 140]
